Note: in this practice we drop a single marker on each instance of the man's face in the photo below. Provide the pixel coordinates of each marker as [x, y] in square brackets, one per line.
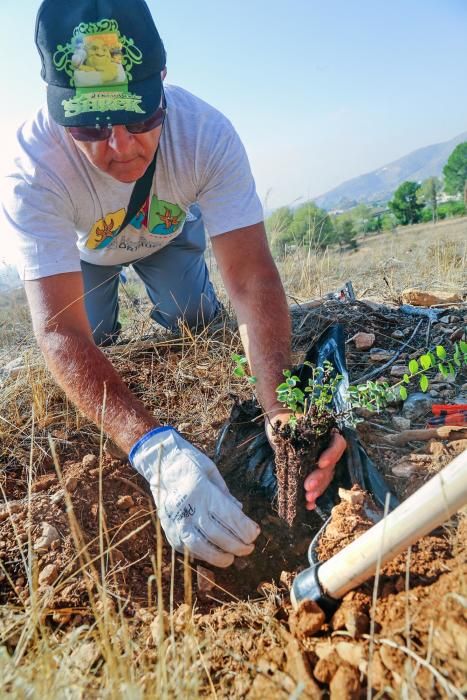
[124, 156]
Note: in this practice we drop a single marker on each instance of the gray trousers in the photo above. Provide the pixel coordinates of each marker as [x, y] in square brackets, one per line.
[176, 280]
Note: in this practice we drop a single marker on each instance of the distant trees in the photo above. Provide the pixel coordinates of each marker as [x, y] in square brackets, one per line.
[455, 171]
[405, 204]
[429, 193]
[310, 227]
[307, 226]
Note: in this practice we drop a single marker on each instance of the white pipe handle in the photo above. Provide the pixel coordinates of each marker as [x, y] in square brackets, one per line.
[426, 509]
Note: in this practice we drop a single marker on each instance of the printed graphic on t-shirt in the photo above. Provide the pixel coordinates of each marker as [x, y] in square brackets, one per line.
[104, 231]
[161, 219]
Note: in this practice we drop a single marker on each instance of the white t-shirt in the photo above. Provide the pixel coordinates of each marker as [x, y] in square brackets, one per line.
[62, 208]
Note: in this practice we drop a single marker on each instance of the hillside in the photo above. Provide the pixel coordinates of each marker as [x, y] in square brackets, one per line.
[380, 184]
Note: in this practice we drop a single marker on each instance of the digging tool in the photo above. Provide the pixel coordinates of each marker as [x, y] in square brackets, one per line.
[424, 511]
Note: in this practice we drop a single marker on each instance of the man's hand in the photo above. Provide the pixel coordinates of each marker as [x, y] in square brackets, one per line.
[317, 482]
[194, 505]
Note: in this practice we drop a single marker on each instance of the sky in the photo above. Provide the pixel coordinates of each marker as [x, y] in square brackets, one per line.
[319, 91]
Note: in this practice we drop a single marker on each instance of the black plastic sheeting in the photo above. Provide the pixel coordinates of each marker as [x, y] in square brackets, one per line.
[257, 468]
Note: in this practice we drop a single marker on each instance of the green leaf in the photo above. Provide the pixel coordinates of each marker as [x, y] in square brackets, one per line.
[403, 393]
[282, 387]
[463, 346]
[413, 366]
[425, 361]
[239, 372]
[441, 352]
[444, 370]
[252, 380]
[424, 383]
[452, 371]
[406, 379]
[236, 358]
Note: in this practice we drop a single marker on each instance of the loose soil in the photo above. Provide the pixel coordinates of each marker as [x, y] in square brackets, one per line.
[413, 641]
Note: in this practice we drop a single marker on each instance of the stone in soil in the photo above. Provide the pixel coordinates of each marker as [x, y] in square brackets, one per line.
[380, 355]
[307, 619]
[345, 684]
[417, 406]
[48, 537]
[364, 341]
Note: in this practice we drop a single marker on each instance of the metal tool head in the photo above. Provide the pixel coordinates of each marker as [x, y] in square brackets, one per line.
[307, 586]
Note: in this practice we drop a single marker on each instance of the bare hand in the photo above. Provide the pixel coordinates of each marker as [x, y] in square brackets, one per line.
[317, 482]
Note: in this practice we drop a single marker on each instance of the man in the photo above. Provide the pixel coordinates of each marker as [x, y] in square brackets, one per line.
[109, 121]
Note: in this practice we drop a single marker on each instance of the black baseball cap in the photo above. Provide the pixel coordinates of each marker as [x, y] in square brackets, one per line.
[101, 60]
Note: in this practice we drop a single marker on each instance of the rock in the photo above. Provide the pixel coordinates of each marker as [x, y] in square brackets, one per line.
[398, 334]
[326, 669]
[398, 371]
[401, 423]
[429, 298]
[125, 503]
[90, 461]
[206, 580]
[48, 575]
[265, 687]
[84, 656]
[181, 617]
[345, 684]
[71, 484]
[355, 497]
[306, 620]
[49, 535]
[352, 617]
[417, 406]
[58, 496]
[117, 555]
[159, 628]
[447, 319]
[299, 668]
[61, 618]
[10, 508]
[457, 334]
[351, 652]
[380, 355]
[364, 341]
[184, 427]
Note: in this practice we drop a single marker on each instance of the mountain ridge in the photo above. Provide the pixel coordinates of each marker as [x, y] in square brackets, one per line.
[379, 185]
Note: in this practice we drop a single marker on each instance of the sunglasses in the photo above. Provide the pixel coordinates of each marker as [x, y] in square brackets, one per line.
[102, 133]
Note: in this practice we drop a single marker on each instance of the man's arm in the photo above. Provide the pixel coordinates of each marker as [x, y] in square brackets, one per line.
[256, 292]
[255, 289]
[80, 368]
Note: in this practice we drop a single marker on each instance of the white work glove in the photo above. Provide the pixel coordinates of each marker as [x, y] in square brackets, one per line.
[194, 505]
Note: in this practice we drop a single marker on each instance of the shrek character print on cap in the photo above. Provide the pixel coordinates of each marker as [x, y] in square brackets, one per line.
[99, 63]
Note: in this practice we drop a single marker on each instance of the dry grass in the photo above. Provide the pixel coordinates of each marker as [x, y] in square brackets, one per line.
[423, 256]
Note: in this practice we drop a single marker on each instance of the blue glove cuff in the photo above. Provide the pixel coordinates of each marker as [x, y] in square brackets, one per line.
[144, 439]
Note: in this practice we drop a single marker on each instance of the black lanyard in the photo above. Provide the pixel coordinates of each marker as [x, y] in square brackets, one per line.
[140, 192]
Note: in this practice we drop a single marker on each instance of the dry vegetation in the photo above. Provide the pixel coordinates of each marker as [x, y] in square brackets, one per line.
[124, 617]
